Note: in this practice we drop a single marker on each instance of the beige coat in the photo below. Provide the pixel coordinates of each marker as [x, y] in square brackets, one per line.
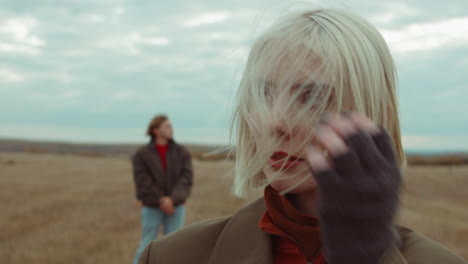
[237, 239]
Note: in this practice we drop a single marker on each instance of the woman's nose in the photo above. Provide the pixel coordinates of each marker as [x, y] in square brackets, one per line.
[282, 130]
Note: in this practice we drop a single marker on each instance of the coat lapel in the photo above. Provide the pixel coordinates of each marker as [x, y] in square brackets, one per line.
[393, 256]
[153, 160]
[170, 160]
[242, 241]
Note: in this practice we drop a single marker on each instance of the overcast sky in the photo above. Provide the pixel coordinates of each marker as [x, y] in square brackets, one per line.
[97, 71]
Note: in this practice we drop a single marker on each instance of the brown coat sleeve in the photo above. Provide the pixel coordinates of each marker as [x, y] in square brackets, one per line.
[193, 244]
[146, 190]
[182, 188]
[418, 249]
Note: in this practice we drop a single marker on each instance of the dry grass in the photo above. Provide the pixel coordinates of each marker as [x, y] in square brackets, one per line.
[435, 203]
[79, 209]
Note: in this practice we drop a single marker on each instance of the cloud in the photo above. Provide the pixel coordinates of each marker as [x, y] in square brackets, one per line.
[7, 47]
[92, 18]
[63, 77]
[207, 18]
[8, 75]
[16, 35]
[83, 65]
[141, 65]
[393, 12]
[428, 36]
[119, 10]
[20, 30]
[132, 42]
[157, 41]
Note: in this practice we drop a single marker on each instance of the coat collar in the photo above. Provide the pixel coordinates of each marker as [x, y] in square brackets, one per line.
[254, 246]
[151, 144]
[393, 256]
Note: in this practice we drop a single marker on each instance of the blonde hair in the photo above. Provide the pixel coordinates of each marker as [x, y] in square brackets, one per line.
[305, 64]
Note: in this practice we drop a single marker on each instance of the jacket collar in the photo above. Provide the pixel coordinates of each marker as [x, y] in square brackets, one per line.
[153, 159]
[151, 144]
[254, 246]
[393, 256]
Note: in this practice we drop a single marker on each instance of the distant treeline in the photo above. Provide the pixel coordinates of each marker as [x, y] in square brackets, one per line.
[438, 159]
[96, 150]
[198, 152]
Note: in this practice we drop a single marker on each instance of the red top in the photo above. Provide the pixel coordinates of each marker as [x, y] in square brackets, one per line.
[162, 149]
[296, 237]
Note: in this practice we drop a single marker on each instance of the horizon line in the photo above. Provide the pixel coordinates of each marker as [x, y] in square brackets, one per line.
[406, 150]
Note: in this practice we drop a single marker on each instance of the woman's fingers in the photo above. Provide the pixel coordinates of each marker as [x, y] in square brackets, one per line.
[327, 144]
[342, 125]
[332, 136]
[350, 123]
[363, 123]
[317, 160]
[330, 141]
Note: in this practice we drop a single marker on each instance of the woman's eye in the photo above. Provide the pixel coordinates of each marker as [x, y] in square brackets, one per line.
[305, 96]
[267, 90]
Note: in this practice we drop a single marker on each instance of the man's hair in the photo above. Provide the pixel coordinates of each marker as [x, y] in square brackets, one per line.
[155, 123]
[348, 67]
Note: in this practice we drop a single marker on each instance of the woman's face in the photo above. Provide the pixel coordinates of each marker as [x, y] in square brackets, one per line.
[283, 174]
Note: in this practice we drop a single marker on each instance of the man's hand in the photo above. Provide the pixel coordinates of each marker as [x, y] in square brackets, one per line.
[167, 205]
[359, 179]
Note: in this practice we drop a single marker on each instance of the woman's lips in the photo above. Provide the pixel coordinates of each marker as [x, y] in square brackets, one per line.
[280, 160]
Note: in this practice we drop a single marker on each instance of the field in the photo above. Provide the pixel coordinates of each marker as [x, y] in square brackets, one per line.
[78, 209]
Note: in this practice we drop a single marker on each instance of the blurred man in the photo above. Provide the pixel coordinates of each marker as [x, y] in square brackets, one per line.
[162, 172]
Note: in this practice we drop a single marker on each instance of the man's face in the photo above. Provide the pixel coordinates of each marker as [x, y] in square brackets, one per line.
[165, 130]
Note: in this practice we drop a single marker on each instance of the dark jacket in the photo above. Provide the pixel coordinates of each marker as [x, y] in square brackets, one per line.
[152, 183]
[238, 240]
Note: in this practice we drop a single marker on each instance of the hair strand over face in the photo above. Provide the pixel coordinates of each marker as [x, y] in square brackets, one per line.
[305, 64]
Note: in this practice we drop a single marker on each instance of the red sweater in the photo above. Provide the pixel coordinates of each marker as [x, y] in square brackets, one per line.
[162, 149]
[296, 236]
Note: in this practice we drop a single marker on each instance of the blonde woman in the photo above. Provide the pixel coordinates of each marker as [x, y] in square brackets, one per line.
[317, 128]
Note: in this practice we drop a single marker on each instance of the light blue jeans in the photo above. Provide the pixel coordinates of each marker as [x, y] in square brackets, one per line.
[151, 220]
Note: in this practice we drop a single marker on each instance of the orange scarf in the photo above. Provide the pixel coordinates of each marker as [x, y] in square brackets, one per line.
[297, 236]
